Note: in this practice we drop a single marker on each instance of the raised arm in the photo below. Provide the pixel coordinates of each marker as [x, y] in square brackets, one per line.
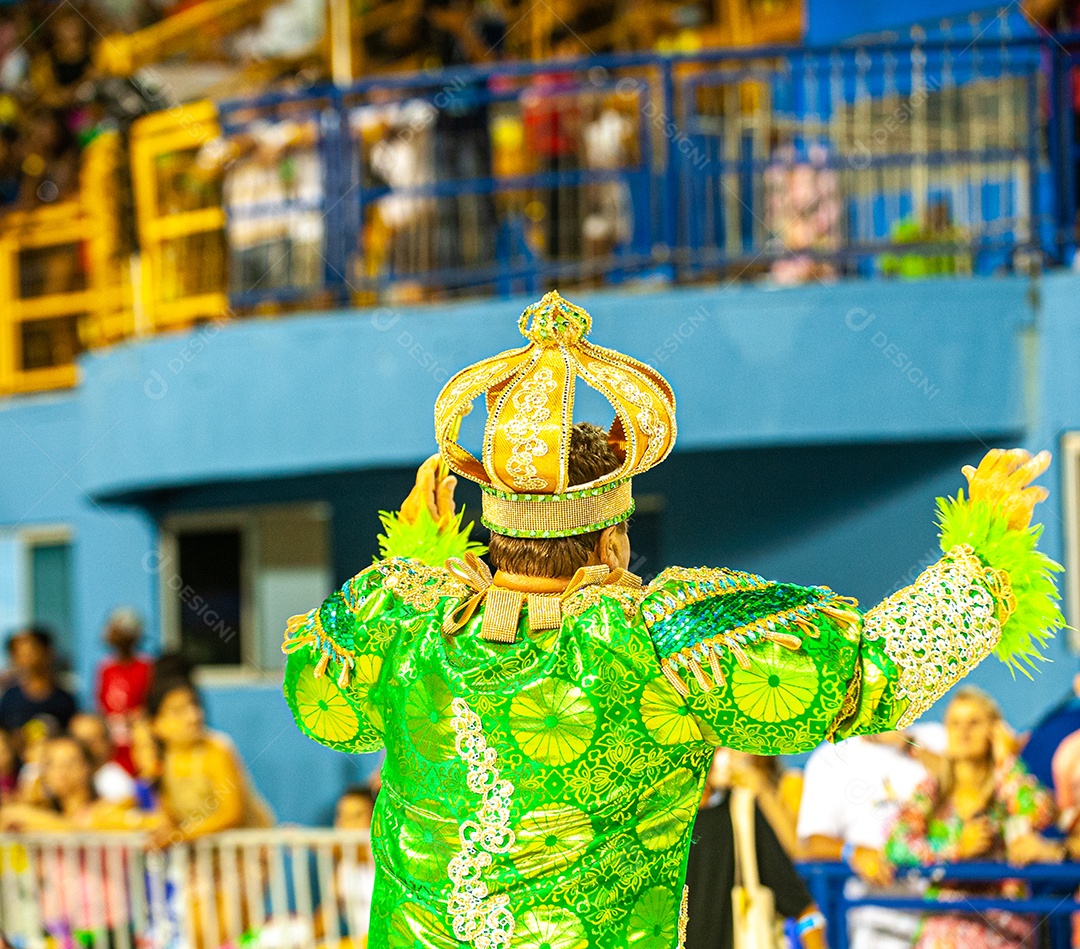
[774, 668]
[334, 671]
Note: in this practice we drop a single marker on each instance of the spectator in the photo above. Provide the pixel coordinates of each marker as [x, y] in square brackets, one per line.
[851, 794]
[14, 59]
[146, 757]
[552, 112]
[710, 873]
[69, 879]
[204, 788]
[123, 680]
[112, 782]
[66, 63]
[67, 769]
[777, 794]
[982, 806]
[9, 768]
[460, 34]
[50, 171]
[356, 872]
[34, 693]
[34, 736]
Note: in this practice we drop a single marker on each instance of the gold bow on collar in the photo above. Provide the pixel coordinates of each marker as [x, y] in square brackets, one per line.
[503, 603]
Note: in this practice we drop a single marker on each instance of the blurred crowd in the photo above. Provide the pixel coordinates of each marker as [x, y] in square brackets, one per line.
[960, 791]
[970, 789]
[142, 760]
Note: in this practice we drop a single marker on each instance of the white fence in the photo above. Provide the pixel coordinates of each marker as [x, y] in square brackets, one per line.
[279, 889]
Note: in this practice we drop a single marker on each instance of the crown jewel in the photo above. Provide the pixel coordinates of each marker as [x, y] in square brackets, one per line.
[529, 395]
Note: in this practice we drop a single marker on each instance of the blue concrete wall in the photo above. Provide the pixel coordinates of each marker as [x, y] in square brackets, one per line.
[261, 399]
[816, 426]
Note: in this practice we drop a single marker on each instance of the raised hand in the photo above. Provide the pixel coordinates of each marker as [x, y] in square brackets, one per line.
[1003, 480]
[438, 498]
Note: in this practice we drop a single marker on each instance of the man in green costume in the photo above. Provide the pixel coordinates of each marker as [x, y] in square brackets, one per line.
[548, 730]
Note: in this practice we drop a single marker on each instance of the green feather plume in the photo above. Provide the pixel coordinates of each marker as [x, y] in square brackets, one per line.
[1030, 572]
[424, 541]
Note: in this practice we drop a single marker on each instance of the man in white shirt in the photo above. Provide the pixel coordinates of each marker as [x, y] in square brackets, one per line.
[851, 794]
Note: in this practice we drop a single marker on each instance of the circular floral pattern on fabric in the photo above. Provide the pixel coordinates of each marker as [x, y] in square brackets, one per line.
[550, 839]
[549, 927]
[779, 685]
[666, 809]
[429, 718]
[322, 708]
[666, 715]
[653, 921]
[365, 674]
[553, 722]
[412, 927]
[428, 843]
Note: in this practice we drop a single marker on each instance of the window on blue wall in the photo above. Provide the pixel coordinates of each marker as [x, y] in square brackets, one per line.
[49, 587]
[210, 595]
[231, 579]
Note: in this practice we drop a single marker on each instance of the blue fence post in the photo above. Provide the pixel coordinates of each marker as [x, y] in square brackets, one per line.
[1064, 120]
[670, 205]
[1033, 138]
[335, 260]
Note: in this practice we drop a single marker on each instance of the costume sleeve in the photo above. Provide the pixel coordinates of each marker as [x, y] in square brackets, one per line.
[909, 843]
[774, 668]
[336, 652]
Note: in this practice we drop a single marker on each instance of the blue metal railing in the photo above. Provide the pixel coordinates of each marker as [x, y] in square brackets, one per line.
[945, 156]
[1051, 897]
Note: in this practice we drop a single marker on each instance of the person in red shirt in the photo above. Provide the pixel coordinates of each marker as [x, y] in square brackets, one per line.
[123, 680]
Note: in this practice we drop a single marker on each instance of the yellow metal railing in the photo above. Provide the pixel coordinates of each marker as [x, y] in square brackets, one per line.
[64, 277]
[180, 219]
[66, 270]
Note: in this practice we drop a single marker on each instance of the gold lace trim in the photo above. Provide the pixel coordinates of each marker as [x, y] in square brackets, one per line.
[477, 917]
[418, 585]
[940, 627]
[684, 916]
[849, 706]
[523, 430]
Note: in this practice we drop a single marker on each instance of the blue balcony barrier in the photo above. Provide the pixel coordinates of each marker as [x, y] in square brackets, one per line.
[1051, 897]
[948, 156]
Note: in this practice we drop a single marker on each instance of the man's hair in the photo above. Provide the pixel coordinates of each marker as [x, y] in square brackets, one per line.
[41, 635]
[591, 457]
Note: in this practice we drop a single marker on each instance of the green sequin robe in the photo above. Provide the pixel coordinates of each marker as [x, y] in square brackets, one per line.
[541, 794]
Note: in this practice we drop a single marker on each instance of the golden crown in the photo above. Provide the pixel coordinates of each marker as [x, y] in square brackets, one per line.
[529, 393]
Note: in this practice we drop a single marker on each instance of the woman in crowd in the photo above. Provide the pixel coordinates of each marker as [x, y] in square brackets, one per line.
[776, 791]
[67, 784]
[711, 868]
[79, 898]
[204, 787]
[9, 767]
[983, 805]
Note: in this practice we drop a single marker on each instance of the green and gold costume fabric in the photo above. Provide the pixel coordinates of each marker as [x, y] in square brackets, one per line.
[540, 794]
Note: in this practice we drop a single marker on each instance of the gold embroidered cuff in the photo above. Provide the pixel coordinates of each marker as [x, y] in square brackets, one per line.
[557, 515]
[940, 627]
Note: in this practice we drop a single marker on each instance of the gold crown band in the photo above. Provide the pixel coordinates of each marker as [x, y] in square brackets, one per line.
[557, 515]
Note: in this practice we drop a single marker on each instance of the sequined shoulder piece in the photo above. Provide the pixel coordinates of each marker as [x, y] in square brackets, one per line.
[417, 585]
[694, 616]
